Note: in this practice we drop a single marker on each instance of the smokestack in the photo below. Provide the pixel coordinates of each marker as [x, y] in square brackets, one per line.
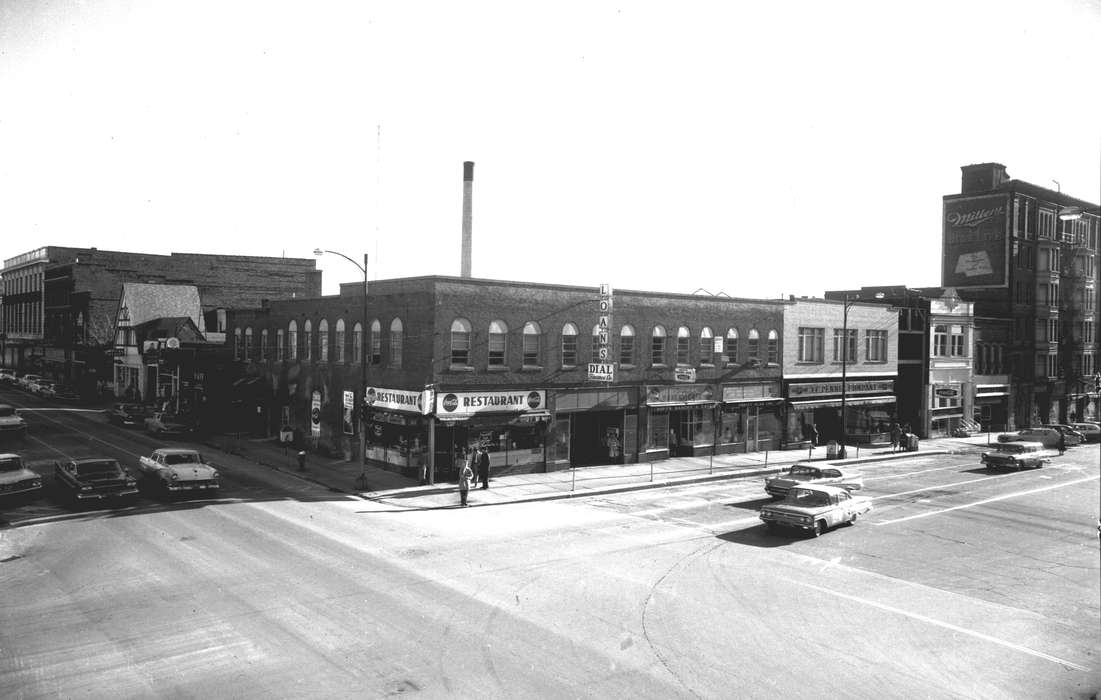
[468, 186]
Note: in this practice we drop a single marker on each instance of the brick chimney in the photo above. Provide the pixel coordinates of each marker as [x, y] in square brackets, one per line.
[982, 177]
[468, 186]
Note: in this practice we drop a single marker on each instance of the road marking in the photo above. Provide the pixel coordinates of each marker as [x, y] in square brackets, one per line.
[987, 500]
[946, 625]
[899, 476]
[941, 486]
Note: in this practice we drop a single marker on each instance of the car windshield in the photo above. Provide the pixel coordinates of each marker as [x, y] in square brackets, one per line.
[799, 470]
[10, 464]
[183, 458]
[805, 497]
[1014, 447]
[107, 467]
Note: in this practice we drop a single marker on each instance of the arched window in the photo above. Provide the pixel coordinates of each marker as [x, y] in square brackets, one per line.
[498, 344]
[627, 345]
[460, 343]
[684, 341]
[595, 354]
[754, 344]
[248, 344]
[338, 341]
[307, 338]
[376, 342]
[292, 340]
[773, 347]
[357, 343]
[569, 345]
[264, 347]
[532, 342]
[323, 340]
[730, 346]
[396, 338]
[657, 346]
[280, 347]
[707, 346]
[237, 343]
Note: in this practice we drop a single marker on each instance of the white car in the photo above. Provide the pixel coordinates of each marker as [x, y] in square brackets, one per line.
[27, 379]
[8, 376]
[1092, 431]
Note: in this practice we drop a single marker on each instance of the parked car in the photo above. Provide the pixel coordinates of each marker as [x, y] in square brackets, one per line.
[815, 508]
[26, 380]
[15, 478]
[1048, 436]
[1073, 437]
[804, 473]
[128, 414]
[8, 376]
[164, 423]
[44, 388]
[1090, 431]
[1018, 455]
[11, 423]
[97, 478]
[179, 469]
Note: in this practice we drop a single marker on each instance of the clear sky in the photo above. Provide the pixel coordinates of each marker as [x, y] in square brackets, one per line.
[755, 148]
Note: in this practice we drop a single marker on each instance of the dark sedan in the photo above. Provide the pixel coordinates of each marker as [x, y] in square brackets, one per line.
[97, 478]
[128, 414]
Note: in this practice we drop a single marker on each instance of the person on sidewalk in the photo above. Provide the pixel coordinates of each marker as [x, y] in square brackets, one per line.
[813, 435]
[896, 436]
[483, 466]
[465, 477]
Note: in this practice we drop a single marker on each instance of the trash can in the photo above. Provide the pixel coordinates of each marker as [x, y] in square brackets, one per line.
[911, 443]
[831, 449]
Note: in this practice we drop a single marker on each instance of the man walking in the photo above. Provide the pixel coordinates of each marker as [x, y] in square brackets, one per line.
[465, 477]
[483, 466]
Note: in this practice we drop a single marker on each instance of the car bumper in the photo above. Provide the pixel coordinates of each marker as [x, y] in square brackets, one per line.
[787, 520]
[105, 495]
[179, 486]
[15, 489]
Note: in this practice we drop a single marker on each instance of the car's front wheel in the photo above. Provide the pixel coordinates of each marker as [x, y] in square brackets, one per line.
[819, 528]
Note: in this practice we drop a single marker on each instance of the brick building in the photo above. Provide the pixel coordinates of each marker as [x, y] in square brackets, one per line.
[60, 304]
[505, 364]
[1026, 256]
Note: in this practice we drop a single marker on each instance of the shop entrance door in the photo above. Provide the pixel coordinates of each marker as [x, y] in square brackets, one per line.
[596, 437]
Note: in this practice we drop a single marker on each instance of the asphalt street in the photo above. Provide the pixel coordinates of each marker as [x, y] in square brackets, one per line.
[959, 583]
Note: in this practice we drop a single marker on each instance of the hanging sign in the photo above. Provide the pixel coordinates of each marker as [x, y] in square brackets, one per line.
[315, 414]
[603, 370]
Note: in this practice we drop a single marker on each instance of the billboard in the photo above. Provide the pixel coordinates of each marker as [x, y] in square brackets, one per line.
[976, 242]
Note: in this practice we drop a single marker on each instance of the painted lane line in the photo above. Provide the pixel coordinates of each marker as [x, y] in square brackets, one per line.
[899, 476]
[985, 501]
[946, 625]
[941, 486]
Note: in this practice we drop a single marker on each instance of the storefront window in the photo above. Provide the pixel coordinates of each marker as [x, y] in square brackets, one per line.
[733, 420]
[657, 437]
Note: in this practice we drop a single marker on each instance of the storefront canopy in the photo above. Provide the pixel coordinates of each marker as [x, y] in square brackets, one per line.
[849, 401]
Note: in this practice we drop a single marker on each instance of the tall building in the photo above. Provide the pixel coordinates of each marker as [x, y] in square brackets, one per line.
[1026, 256]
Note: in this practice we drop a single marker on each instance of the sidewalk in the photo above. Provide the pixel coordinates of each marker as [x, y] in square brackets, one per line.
[394, 489]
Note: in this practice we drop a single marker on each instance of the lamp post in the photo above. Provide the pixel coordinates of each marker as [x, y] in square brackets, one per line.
[849, 300]
[363, 359]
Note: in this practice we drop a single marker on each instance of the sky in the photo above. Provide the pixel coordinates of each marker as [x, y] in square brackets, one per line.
[754, 149]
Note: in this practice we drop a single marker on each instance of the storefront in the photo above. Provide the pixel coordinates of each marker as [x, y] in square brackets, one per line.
[750, 417]
[946, 409]
[594, 426]
[511, 425]
[396, 429]
[679, 421]
[869, 410]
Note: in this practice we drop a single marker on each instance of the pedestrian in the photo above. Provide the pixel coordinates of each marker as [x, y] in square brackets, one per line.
[465, 477]
[483, 466]
[1062, 442]
[896, 436]
[672, 443]
[813, 435]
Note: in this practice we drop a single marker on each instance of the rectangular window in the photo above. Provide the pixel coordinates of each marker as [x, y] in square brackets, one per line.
[843, 345]
[1047, 224]
[531, 349]
[812, 343]
[707, 349]
[940, 341]
[626, 349]
[956, 340]
[497, 344]
[1053, 330]
[657, 350]
[1053, 365]
[730, 350]
[876, 346]
[682, 350]
[569, 350]
[460, 348]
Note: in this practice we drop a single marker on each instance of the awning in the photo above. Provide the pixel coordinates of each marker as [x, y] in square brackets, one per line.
[767, 399]
[854, 401]
[678, 404]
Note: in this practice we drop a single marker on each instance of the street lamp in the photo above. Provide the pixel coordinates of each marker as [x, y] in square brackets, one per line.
[363, 356]
[850, 299]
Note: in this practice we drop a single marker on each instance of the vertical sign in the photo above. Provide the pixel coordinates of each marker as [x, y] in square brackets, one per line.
[349, 407]
[315, 414]
[603, 369]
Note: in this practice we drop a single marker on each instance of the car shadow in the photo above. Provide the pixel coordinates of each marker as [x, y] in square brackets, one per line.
[761, 536]
[755, 504]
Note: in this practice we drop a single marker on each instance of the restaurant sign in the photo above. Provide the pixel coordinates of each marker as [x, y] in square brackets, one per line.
[394, 399]
[466, 403]
[796, 391]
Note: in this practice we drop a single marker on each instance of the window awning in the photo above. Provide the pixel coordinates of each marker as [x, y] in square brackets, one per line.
[854, 401]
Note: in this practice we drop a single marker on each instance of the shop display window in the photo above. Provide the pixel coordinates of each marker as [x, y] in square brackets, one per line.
[657, 437]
